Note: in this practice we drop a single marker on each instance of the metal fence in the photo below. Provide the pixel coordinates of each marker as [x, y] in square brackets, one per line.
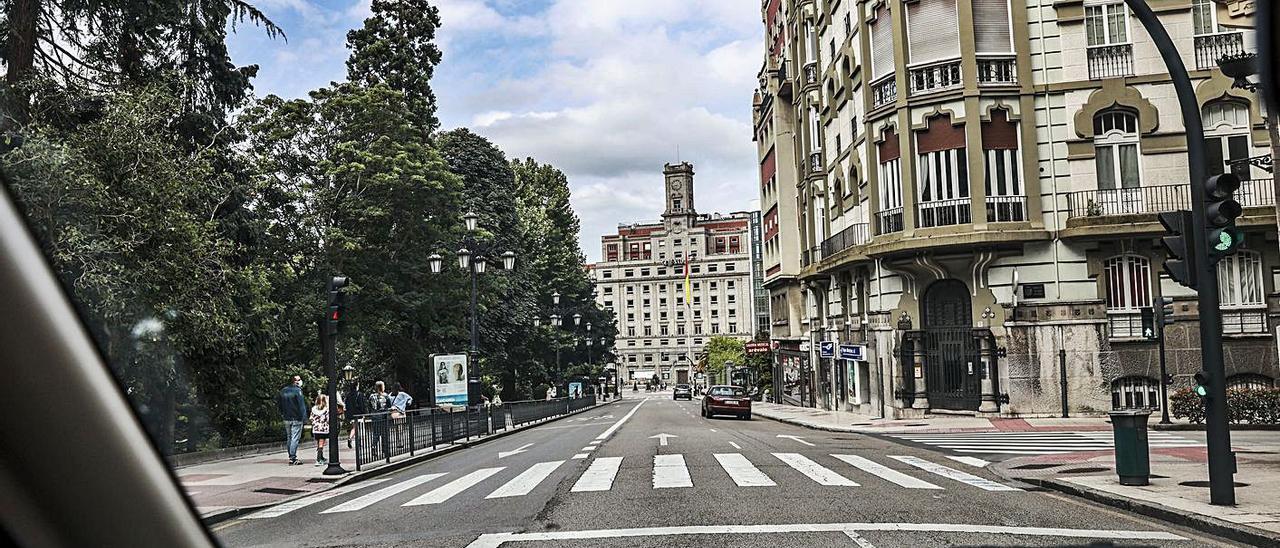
[383, 437]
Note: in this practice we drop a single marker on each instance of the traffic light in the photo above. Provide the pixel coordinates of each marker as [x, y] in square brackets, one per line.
[1179, 247]
[1202, 383]
[1166, 310]
[1220, 212]
[336, 304]
[1148, 322]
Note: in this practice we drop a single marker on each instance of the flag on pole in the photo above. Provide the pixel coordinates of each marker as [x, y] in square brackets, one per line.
[688, 290]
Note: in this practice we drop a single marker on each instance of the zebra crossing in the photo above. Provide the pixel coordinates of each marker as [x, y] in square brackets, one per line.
[1035, 443]
[670, 471]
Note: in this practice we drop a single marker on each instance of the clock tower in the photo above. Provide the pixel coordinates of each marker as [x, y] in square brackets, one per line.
[679, 187]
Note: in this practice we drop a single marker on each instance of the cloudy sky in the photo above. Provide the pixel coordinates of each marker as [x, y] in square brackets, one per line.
[606, 90]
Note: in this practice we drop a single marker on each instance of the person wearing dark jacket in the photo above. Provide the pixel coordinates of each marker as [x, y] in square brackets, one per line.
[293, 407]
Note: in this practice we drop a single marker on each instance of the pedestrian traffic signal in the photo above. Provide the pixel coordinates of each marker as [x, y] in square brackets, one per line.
[1166, 310]
[1148, 322]
[1179, 247]
[1202, 383]
[336, 304]
[1220, 212]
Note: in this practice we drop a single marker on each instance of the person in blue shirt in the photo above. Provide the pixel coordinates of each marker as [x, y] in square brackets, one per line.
[293, 407]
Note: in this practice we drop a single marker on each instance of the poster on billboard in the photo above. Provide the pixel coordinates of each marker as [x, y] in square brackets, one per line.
[451, 378]
[575, 390]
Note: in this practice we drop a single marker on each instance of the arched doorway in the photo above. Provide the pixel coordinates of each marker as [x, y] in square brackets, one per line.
[953, 369]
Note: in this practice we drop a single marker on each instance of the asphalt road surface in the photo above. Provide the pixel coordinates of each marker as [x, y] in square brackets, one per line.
[649, 471]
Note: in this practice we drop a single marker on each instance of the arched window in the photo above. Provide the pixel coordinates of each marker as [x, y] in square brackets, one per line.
[889, 156]
[1244, 309]
[1005, 199]
[1115, 146]
[1249, 381]
[1135, 393]
[1226, 128]
[1128, 283]
[942, 174]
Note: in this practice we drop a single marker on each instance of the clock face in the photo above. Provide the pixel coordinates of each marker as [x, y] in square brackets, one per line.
[675, 184]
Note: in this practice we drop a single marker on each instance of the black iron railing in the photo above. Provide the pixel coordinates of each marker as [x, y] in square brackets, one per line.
[997, 71]
[855, 234]
[1211, 47]
[943, 213]
[1006, 209]
[935, 76]
[1111, 61]
[889, 221]
[1157, 199]
[385, 436]
[884, 91]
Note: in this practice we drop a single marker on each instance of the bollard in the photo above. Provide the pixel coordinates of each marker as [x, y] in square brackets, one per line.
[1133, 460]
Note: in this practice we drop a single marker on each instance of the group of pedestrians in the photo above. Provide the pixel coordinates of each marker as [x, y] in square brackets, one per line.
[293, 408]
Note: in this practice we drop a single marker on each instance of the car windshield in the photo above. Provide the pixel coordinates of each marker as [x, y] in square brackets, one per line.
[458, 272]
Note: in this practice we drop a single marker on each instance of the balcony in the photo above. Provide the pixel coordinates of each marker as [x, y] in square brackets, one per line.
[884, 92]
[943, 213]
[1211, 47]
[1149, 200]
[810, 256]
[1110, 61]
[856, 234]
[811, 74]
[997, 71]
[1006, 209]
[784, 80]
[815, 162]
[939, 76]
[889, 221]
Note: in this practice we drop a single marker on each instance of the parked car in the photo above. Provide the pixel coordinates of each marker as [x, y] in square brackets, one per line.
[726, 400]
[682, 391]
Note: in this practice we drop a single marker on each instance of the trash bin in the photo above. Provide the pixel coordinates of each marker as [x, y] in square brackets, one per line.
[1133, 460]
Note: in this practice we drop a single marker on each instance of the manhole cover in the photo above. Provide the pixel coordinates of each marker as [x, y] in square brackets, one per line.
[1040, 466]
[279, 491]
[1199, 483]
[1084, 470]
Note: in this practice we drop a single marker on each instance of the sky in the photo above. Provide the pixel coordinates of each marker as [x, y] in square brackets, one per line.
[606, 90]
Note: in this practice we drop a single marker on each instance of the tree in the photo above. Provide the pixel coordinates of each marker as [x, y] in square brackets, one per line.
[721, 349]
[396, 47]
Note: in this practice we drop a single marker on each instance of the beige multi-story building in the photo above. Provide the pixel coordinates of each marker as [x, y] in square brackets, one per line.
[968, 190]
[642, 277]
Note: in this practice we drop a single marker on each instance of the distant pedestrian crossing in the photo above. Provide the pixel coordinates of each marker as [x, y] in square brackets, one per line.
[670, 471]
[1035, 443]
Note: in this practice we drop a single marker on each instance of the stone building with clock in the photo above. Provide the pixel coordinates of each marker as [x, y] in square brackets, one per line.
[641, 278]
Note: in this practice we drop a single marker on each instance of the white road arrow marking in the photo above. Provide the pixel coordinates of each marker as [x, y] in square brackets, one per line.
[662, 438]
[795, 438]
[516, 451]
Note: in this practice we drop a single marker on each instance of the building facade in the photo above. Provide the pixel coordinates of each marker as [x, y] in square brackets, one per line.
[968, 189]
[663, 324]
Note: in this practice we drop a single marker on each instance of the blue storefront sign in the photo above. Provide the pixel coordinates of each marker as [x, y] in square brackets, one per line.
[827, 349]
[856, 352]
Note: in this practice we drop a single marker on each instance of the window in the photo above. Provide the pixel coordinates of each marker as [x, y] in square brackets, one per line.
[645, 303]
[733, 327]
[697, 330]
[1005, 199]
[644, 288]
[648, 316]
[1240, 293]
[695, 269]
[1135, 393]
[680, 314]
[882, 43]
[932, 32]
[713, 286]
[728, 267]
[679, 329]
[631, 290]
[942, 174]
[889, 218]
[644, 272]
[991, 28]
[608, 290]
[648, 332]
[1107, 24]
[731, 298]
[715, 327]
[662, 315]
[631, 331]
[631, 303]
[662, 330]
[611, 252]
[729, 284]
[606, 274]
[713, 267]
[1128, 283]
[1249, 381]
[1226, 127]
[1115, 145]
[628, 273]
[1204, 17]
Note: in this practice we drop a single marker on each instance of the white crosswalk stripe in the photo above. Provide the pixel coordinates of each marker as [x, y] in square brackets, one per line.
[952, 473]
[815, 471]
[742, 472]
[599, 475]
[670, 471]
[525, 482]
[282, 509]
[884, 472]
[1036, 443]
[449, 490]
[360, 503]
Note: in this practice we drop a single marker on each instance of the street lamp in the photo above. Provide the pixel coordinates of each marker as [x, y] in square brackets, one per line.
[348, 373]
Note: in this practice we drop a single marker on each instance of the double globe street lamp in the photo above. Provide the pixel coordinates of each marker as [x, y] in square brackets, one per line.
[558, 318]
[473, 257]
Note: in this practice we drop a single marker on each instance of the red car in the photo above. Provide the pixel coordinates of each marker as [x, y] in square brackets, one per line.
[726, 400]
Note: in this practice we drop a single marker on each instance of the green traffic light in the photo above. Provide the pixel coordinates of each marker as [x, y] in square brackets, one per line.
[1201, 390]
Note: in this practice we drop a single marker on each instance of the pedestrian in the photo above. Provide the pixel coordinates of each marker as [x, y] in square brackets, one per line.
[401, 402]
[380, 407]
[293, 407]
[320, 426]
[353, 418]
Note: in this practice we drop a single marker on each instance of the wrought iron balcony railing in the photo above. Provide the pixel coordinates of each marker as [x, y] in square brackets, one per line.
[935, 77]
[1110, 61]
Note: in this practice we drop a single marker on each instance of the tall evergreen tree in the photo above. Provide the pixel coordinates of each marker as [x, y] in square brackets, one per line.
[396, 47]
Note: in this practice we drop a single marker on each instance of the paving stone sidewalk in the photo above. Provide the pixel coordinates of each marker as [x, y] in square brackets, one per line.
[841, 421]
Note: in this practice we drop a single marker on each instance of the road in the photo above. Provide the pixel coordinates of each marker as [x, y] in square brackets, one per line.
[604, 478]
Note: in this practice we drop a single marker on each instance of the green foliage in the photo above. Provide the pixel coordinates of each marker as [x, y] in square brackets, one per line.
[396, 47]
[1253, 406]
[721, 349]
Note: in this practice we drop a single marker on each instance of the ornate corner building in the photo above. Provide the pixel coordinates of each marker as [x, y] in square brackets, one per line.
[969, 189]
[663, 324]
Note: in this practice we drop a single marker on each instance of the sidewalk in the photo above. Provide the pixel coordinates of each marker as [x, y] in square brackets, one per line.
[840, 421]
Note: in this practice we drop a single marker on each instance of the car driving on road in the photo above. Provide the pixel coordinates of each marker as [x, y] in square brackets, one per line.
[726, 400]
[682, 391]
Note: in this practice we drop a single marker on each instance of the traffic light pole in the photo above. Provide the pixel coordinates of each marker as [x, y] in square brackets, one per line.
[328, 343]
[1221, 459]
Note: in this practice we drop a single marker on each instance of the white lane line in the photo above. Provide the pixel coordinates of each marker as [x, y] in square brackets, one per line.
[580, 456]
[886, 473]
[858, 539]
[971, 461]
[620, 422]
[1001, 452]
[448, 490]
[365, 501]
[742, 471]
[599, 476]
[735, 446]
[589, 448]
[525, 482]
[952, 473]
[670, 471]
[282, 509]
[496, 540]
[712, 429]
[815, 471]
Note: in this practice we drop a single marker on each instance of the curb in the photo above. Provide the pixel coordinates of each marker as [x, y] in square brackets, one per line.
[809, 426]
[1201, 427]
[354, 477]
[1224, 529]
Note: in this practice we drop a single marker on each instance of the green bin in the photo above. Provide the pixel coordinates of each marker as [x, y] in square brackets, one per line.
[1133, 460]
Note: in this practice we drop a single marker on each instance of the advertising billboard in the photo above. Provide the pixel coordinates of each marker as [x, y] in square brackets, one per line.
[575, 390]
[450, 378]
